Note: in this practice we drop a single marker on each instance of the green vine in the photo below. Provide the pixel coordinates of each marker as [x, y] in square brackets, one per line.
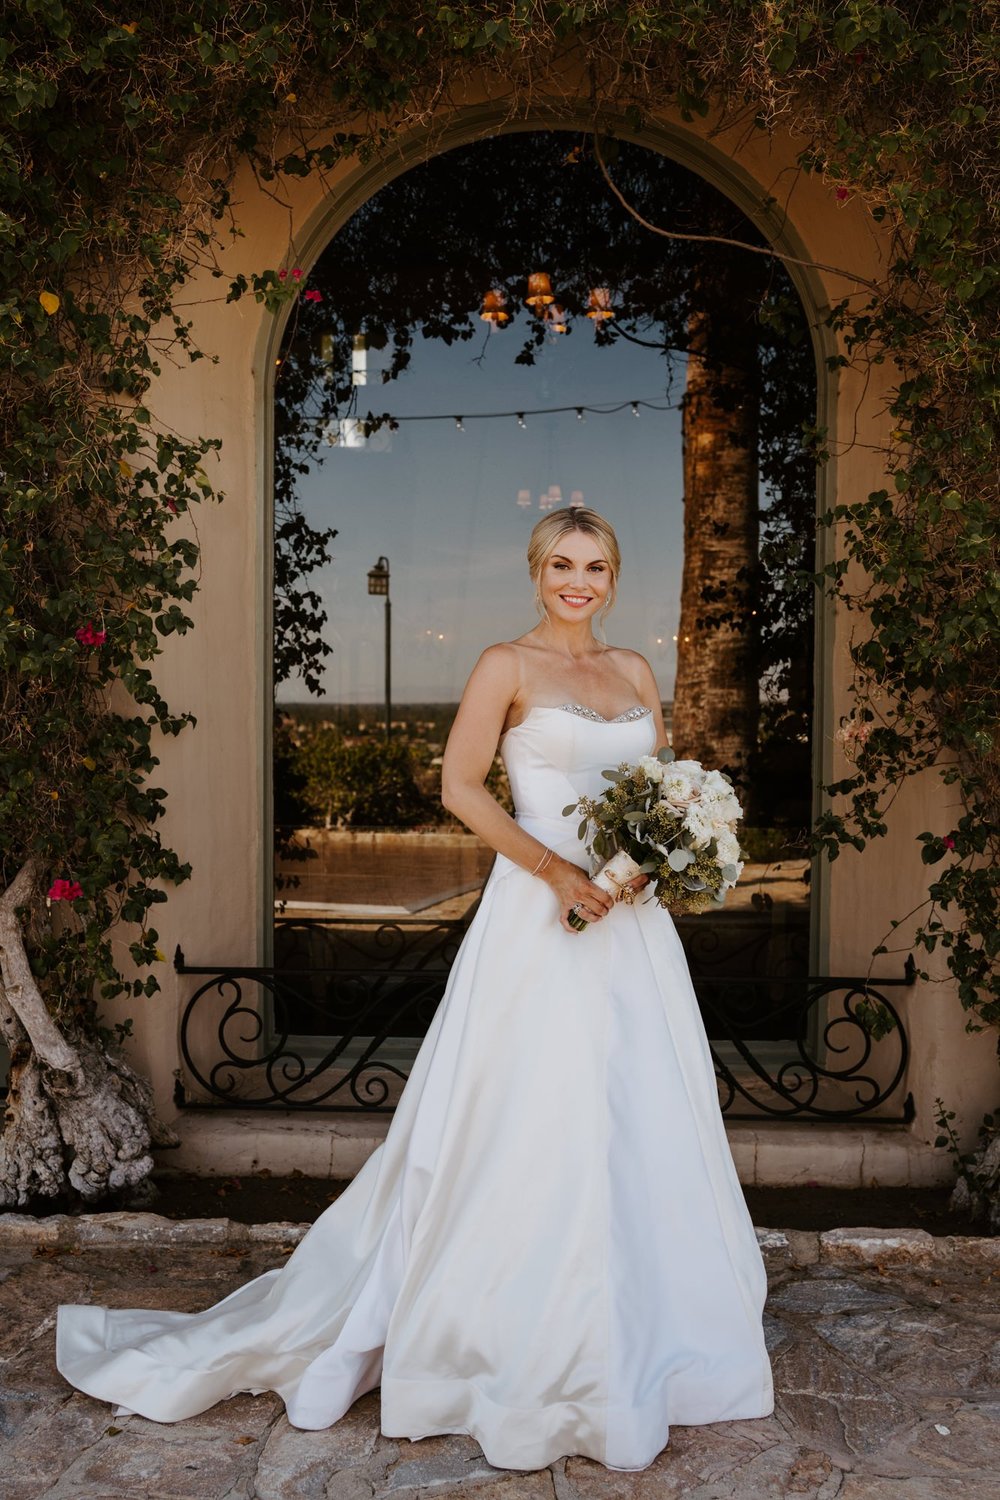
[118, 145]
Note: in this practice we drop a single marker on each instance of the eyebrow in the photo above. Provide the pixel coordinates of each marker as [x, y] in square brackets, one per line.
[561, 557]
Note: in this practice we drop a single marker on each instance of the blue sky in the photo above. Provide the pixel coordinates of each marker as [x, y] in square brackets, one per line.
[442, 505]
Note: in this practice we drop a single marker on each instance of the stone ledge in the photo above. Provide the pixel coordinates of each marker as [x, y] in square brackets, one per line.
[122, 1229]
[832, 1247]
[913, 1247]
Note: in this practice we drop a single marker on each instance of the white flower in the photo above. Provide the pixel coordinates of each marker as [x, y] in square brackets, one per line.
[728, 847]
[652, 768]
[726, 809]
[677, 791]
[717, 792]
[692, 769]
[698, 824]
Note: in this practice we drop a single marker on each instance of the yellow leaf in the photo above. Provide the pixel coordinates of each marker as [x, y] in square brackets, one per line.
[291, 98]
[131, 27]
[161, 958]
[49, 301]
[125, 468]
[89, 762]
[54, 796]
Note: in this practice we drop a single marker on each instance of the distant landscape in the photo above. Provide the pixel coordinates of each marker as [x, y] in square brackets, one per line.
[417, 721]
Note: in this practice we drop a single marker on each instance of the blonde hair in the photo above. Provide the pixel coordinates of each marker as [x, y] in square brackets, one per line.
[551, 529]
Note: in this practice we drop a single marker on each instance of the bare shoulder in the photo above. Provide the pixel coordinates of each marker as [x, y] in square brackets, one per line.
[634, 666]
[501, 659]
[498, 669]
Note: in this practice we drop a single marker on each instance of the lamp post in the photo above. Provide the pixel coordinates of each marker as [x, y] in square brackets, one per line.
[378, 583]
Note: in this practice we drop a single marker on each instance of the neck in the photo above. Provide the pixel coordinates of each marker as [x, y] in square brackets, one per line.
[569, 637]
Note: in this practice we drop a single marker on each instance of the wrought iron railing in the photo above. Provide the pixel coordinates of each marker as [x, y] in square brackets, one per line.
[339, 1034]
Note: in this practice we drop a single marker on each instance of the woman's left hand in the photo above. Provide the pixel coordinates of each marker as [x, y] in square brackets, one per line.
[638, 883]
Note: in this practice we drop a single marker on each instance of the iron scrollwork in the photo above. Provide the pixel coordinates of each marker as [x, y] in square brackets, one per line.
[331, 1024]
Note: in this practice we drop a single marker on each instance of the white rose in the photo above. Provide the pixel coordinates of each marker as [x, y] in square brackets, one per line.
[692, 769]
[725, 809]
[652, 768]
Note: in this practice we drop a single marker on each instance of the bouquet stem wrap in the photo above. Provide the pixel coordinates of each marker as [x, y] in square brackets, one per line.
[612, 877]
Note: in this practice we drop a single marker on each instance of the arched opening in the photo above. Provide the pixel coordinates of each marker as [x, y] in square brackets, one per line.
[427, 415]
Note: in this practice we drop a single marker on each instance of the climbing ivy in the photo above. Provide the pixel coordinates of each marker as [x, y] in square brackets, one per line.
[119, 139]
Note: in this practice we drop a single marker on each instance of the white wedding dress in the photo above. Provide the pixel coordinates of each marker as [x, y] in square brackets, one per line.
[550, 1250]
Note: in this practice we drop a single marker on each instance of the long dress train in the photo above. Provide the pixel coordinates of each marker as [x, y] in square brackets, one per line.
[550, 1251]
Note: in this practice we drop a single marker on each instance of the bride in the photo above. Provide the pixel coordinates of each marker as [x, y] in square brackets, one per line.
[550, 1251]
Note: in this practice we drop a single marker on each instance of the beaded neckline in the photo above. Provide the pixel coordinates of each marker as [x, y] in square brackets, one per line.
[591, 713]
[582, 712]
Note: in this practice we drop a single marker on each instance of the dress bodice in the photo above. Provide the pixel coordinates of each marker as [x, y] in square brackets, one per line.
[556, 755]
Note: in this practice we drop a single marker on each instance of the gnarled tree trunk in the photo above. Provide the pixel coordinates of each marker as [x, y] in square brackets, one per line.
[77, 1116]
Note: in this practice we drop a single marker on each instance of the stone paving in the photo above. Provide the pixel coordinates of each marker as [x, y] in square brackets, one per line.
[885, 1346]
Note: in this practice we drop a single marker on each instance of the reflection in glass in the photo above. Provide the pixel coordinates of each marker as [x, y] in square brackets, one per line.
[426, 412]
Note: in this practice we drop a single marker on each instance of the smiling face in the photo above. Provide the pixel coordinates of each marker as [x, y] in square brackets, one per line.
[576, 579]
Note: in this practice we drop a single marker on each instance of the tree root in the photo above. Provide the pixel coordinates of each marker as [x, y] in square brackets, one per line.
[77, 1116]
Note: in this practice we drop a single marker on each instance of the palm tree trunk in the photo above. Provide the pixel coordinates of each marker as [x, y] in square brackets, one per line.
[716, 697]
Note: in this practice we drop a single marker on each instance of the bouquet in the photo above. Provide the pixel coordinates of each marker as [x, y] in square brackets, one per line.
[670, 819]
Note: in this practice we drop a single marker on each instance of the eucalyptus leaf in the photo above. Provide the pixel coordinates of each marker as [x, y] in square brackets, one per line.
[679, 859]
[568, 812]
[666, 755]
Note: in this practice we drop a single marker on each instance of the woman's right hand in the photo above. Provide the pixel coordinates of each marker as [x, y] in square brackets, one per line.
[573, 887]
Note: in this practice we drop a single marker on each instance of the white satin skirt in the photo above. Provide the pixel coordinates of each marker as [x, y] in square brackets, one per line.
[550, 1251]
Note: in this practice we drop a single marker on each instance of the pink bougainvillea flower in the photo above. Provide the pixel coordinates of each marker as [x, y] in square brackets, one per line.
[842, 195]
[282, 274]
[296, 273]
[172, 506]
[65, 890]
[313, 295]
[948, 841]
[88, 635]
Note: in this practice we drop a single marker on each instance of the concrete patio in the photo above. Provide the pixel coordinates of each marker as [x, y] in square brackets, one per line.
[885, 1345]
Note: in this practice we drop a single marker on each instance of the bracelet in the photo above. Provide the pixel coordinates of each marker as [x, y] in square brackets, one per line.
[542, 862]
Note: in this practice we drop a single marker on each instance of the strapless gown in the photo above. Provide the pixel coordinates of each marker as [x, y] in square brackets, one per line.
[550, 1251]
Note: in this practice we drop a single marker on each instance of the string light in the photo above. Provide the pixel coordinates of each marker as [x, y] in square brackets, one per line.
[386, 419]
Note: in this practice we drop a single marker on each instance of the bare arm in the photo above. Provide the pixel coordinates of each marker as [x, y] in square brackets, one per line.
[468, 756]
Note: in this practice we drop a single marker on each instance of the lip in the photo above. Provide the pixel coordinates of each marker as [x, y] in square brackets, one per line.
[576, 601]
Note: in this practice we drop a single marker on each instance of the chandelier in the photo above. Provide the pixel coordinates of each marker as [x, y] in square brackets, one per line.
[542, 300]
